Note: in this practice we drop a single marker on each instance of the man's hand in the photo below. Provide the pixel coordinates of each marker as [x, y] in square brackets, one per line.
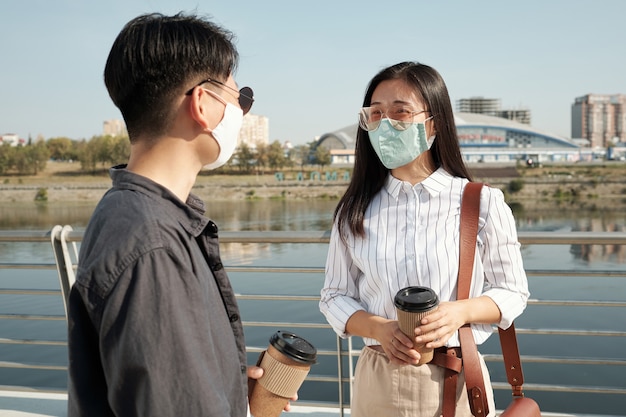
[254, 373]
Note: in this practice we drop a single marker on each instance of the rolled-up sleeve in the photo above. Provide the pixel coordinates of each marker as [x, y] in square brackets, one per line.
[340, 294]
[505, 278]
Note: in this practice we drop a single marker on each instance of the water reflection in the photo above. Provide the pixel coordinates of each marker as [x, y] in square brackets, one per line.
[256, 215]
[312, 215]
[34, 216]
[597, 253]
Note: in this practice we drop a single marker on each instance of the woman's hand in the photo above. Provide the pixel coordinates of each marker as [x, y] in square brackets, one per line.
[397, 346]
[440, 325]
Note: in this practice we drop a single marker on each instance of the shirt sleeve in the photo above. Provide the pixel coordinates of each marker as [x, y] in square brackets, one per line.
[505, 278]
[157, 358]
[340, 294]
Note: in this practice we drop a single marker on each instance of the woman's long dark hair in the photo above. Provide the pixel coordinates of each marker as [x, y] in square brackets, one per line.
[369, 173]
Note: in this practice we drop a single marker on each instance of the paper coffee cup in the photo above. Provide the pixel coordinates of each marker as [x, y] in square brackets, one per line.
[412, 305]
[285, 363]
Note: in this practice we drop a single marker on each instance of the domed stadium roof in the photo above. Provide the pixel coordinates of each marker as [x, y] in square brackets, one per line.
[508, 133]
[467, 121]
[340, 139]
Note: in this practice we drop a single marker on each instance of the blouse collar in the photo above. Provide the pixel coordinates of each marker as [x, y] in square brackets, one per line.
[433, 184]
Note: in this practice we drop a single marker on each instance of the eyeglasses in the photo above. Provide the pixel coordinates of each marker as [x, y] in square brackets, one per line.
[245, 96]
[400, 117]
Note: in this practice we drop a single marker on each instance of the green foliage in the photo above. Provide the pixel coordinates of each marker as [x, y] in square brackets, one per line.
[6, 158]
[299, 155]
[262, 157]
[244, 158]
[103, 152]
[516, 185]
[321, 156]
[276, 157]
[42, 195]
[63, 149]
[23, 160]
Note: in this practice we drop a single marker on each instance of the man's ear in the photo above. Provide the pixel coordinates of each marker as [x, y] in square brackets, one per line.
[198, 109]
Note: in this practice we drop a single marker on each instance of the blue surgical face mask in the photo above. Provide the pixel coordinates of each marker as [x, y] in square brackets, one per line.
[396, 148]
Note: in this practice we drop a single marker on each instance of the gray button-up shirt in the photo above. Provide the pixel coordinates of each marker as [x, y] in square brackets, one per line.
[154, 327]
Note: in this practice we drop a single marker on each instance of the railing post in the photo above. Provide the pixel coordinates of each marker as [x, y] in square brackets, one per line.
[340, 375]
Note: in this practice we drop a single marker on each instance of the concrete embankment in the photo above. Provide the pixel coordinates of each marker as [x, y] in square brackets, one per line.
[590, 188]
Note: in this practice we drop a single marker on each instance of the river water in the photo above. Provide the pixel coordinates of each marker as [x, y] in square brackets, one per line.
[313, 215]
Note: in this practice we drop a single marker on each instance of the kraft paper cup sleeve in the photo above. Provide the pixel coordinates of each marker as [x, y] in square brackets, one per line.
[279, 378]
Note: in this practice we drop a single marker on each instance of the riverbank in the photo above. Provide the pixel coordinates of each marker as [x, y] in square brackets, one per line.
[579, 187]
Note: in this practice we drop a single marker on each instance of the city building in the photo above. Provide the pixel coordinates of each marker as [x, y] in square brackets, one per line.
[340, 144]
[600, 118]
[481, 105]
[114, 127]
[482, 139]
[491, 107]
[493, 139]
[255, 131]
[11, 139]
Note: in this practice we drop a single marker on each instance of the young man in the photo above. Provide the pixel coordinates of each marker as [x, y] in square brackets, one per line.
[154, 328]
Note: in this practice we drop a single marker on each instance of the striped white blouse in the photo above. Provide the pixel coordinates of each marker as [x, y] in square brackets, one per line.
[412, 238]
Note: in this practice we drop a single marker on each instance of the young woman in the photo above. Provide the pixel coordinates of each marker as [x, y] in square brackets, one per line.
[397, 226]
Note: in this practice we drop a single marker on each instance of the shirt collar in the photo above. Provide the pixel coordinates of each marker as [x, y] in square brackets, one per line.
[190, 214]
[433, 184]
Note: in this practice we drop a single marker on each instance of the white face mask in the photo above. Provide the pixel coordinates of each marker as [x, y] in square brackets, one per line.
[226, 134]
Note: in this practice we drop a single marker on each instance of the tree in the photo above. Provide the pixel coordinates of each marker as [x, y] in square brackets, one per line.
[322, 156]
[38, 156]
[104, 151]
[120, 150]
[7, 155]
[276, 155]
[245, 158]
[261, 156]
[61, 149]
[103, 145]
[87, 156]
[26, 160]
[300, 155]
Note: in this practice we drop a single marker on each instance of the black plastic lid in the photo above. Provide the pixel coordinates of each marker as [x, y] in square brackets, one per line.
[294, 346]
[416, 299]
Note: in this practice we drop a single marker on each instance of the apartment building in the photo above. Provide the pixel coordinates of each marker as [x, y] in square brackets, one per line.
[491, 107]
[600, 118]
[114, 127]
[255, 130]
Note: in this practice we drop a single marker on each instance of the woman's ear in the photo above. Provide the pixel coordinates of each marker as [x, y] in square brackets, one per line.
[433, 128]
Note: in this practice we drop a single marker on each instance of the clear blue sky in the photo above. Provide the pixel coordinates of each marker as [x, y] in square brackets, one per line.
[309, 62]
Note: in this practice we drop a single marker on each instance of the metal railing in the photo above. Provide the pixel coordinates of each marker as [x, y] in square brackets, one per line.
[345, 351]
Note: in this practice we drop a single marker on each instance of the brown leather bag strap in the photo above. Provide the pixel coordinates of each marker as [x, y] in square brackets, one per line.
[512, 360]
[470, 206]
[474, 381]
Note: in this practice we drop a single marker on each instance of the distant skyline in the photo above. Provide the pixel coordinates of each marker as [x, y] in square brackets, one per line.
[309, 63]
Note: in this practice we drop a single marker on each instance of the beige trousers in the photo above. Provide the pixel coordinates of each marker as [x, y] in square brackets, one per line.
[382, 389]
